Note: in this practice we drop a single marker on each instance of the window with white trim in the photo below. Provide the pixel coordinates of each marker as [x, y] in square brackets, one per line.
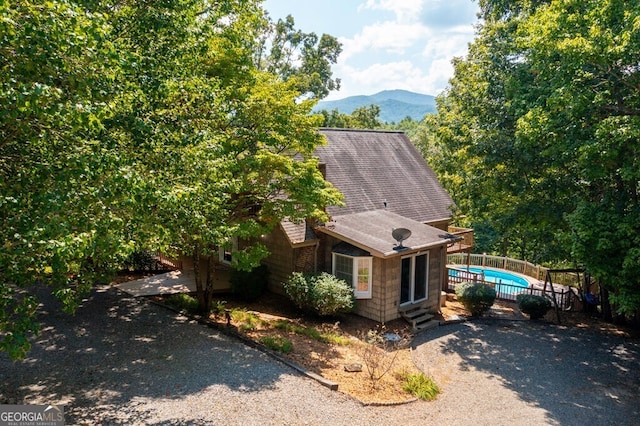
[356, 271]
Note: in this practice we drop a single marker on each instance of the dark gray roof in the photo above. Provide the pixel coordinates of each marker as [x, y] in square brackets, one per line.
[369, 167]
[371, 231]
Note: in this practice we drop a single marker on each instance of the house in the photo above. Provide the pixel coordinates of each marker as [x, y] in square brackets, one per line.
[390, 240]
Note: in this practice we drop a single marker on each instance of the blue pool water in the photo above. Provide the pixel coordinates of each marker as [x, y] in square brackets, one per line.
[498, 277]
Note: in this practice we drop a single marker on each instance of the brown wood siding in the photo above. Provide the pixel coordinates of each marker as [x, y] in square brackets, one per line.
[280, 259]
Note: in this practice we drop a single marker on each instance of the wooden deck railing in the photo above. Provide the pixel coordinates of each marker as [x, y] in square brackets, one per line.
[465, 244]
[168, 261]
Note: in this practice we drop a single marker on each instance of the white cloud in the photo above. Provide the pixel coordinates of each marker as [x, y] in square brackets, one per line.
[396, 75]
[405, 10]
[449, 43]
[387, 36]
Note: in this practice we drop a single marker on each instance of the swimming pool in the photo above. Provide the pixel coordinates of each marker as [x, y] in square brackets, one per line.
[505, 282]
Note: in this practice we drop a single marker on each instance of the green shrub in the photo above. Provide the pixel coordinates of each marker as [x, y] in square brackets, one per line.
[311, 332]
[420, 386]
[477, 298]
[183, 302]
[534, 306]
[322, 294]
[248, 321]
[249, 285]
[279, 344]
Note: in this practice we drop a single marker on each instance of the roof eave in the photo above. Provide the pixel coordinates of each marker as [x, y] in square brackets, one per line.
[388, 254]
[341, 237]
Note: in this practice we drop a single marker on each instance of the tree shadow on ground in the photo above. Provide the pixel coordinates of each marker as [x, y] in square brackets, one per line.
[117, 349]
[576, 376]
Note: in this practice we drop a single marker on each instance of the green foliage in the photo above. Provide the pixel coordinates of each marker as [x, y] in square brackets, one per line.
[311, 332]
[477, 298]
[322, 294]
[533, 305]
[537, 137]
[420, 386]
[279, 344]
[218, 307]
[184, 302]
[302, 57]
[149, 124]
[366, 117]
[140, 261]
[17, 322]
[61, 183]
[248, 320]
[249, 285]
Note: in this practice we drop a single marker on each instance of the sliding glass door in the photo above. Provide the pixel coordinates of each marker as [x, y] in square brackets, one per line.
[414, 278]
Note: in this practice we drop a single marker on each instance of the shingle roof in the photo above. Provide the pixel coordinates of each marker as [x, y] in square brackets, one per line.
[371, 231]
[369, 167]
[298, 233]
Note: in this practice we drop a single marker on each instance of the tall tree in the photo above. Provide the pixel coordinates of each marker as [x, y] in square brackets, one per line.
[586, 53]
[295, 55]
[499, 181]
[138, 125]
[537, 135]
[59, 202]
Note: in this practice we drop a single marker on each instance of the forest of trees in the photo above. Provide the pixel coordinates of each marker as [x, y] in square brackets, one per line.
[537, 138]
[180, 124]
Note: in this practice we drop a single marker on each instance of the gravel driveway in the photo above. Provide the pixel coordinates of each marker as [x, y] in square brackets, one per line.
[122, 360]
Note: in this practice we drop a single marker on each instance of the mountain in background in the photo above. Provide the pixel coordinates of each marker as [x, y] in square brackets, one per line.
[395, 105]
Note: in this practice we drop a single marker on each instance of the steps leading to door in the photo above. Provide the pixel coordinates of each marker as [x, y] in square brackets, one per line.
[419, 319]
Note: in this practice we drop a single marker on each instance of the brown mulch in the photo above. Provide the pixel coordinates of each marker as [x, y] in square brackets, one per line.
[329, 360]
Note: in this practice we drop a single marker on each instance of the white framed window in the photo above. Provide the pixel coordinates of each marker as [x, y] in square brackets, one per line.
[225, 252]
[414, 278]
[355, 270]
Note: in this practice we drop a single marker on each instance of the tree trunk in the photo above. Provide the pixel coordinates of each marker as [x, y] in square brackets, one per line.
[200, 295]
[208, 293]
[606, 306]
[204, 282]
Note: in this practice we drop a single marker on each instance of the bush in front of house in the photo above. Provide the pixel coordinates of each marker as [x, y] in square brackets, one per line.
[183, 302]
[249, 285]
[322, 294]
[477, 298]
[279, 344]
[533, 305]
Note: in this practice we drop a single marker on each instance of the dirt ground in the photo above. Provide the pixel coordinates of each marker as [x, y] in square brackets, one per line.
[330, 360]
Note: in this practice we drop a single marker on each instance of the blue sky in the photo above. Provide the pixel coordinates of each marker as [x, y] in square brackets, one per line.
[388, 44]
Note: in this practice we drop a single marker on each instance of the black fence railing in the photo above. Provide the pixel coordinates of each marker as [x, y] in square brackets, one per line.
[565, 297]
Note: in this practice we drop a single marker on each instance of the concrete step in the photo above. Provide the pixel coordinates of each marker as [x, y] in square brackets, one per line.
[410, 315]
[419, 319]
[426, 326]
